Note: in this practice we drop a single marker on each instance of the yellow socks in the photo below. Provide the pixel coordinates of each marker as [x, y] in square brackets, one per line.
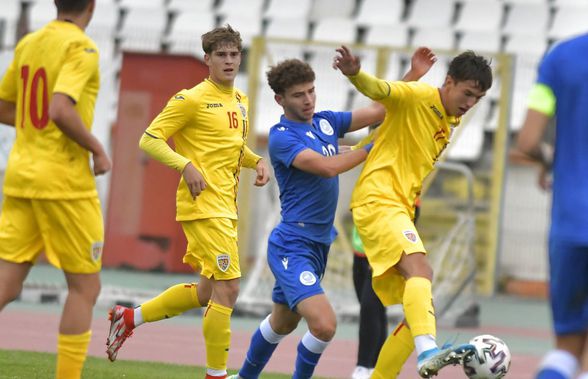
[171, 302]
[71, 354]
[216, 328]
[418, 306]
[395, 351]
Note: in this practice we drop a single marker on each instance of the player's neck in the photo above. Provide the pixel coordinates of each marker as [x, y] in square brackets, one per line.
[78, 20]
[226, 85]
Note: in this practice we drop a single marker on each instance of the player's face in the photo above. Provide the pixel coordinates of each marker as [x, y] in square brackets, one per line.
[223, 64]
[298, 102]
[460, 97]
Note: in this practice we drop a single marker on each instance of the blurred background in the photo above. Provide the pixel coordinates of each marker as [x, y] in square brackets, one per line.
[484, 219]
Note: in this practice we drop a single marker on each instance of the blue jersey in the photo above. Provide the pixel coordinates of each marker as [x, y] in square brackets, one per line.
[308, 201]
[565, 71]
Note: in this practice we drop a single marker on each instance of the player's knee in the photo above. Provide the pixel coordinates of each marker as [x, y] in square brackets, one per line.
[324, 329]
[89, 290]
[226, 292]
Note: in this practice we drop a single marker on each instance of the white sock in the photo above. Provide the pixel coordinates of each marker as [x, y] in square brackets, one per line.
[424, 342]
[313, 344]
[268, 333]
[213, 372]
[583, 375]
[562, 362]
[138, 316]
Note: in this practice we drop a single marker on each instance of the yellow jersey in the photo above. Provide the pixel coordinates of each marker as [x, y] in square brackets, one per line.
[209, 127]
[412, 136]
[44, 163]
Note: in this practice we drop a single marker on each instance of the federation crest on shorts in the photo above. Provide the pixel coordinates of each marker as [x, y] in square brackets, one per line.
[243, 110]
[410, 235]
[326, 127]
[96, 250]
[223, 261]
[307, 278]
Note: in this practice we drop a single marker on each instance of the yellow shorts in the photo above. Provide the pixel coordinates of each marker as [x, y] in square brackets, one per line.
[71, 232]
[212, 247]
[386, 232]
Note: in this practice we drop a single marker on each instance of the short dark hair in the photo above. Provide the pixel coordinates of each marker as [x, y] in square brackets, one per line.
[222, 35]
[470, 66]
[289, 73]
[71, 6]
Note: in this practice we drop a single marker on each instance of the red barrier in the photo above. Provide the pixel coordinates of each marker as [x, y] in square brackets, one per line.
[141, 231]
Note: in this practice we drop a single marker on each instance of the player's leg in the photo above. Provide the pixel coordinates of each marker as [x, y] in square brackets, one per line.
[395, 351]
[216, 326]
[420, 315]
[12, 276]
[76, 248]
[584, 361]
[281, 322]
[373, 324]
[215, 242]
[20, 243]
[568, 265]
[403, 274]
[170, 303]
[322, 324]
[75, 325]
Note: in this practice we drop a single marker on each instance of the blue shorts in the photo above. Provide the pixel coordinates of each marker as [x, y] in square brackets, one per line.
[298, 265]
[568, 286]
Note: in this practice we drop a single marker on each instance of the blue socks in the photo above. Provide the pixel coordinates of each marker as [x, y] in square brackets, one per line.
[263, 343]
[310, 349]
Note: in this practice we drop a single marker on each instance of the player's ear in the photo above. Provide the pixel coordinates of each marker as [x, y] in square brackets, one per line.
[449, 81]
[278, 98]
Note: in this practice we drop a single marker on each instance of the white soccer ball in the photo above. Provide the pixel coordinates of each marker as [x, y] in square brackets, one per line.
[491, 360]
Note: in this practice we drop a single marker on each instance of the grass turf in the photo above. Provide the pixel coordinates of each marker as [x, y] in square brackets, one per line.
[16, 364]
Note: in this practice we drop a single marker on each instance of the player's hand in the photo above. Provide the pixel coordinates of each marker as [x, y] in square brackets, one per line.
[421, 62]
[345, 61]
[545, 179]
[101, 163]
[263, 174]
[194, 180]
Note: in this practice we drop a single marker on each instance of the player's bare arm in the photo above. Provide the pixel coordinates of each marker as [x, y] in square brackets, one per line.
[314, 163]
[263, 173]
[530, 146]
[7, 112]
[194, 180]
[421, 62]
[63, 113]
[529, 141]
[367, 116]
[346, 62]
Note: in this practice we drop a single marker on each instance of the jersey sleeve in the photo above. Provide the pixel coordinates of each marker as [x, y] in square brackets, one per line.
[159, 150]
[548, 68]
[80, 65]
[8, 86]
[250, 159]
[172, 118]
[284, 146]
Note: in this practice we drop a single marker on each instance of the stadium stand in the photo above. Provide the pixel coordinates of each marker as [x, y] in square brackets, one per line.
[431, 13]
[480, 16]
[9, 14]
[186, 29]
[380, 12]
[527, 18]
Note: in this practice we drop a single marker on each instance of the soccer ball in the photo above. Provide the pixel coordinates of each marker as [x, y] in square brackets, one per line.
[491, 359]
